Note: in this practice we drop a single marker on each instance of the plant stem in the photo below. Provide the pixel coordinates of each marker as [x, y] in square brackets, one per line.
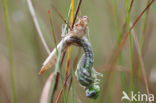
[58, 67]
[10, 52]
[144, 25]
[32, 11]
[130, 45]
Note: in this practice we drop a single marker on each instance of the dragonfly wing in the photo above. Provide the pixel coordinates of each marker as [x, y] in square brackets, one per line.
[52, 58]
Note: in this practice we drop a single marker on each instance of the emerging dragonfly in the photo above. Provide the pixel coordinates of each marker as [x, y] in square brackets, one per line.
[85, 73]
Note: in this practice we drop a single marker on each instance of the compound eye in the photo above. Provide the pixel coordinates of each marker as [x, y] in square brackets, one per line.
[85, 17]
[91, 94]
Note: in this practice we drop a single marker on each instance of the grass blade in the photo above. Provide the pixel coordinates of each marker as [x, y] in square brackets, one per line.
[45, 92]
[32, 11]
[144, 25]
[57, 67]
[141, 61]
[127, 34]
[10, 52]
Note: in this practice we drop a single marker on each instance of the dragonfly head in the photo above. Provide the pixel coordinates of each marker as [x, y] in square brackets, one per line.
[84, 19]
[81, 26]
[93, 91]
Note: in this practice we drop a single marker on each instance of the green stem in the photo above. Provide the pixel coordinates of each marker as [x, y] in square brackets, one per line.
[53, 32]
[130, 45]
[10, 52]
[144, 25]
[117, 28]
[58, 66]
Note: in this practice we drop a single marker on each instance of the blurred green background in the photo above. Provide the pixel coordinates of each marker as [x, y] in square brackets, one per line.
[106, 18]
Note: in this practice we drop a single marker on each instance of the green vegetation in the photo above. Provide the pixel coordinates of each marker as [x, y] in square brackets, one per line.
[127, 64]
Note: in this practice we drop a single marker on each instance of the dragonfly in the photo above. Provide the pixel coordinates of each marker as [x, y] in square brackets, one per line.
[85, 73]
[78, 31]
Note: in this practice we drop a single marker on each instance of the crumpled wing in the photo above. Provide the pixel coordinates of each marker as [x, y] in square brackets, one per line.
[52, 58]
